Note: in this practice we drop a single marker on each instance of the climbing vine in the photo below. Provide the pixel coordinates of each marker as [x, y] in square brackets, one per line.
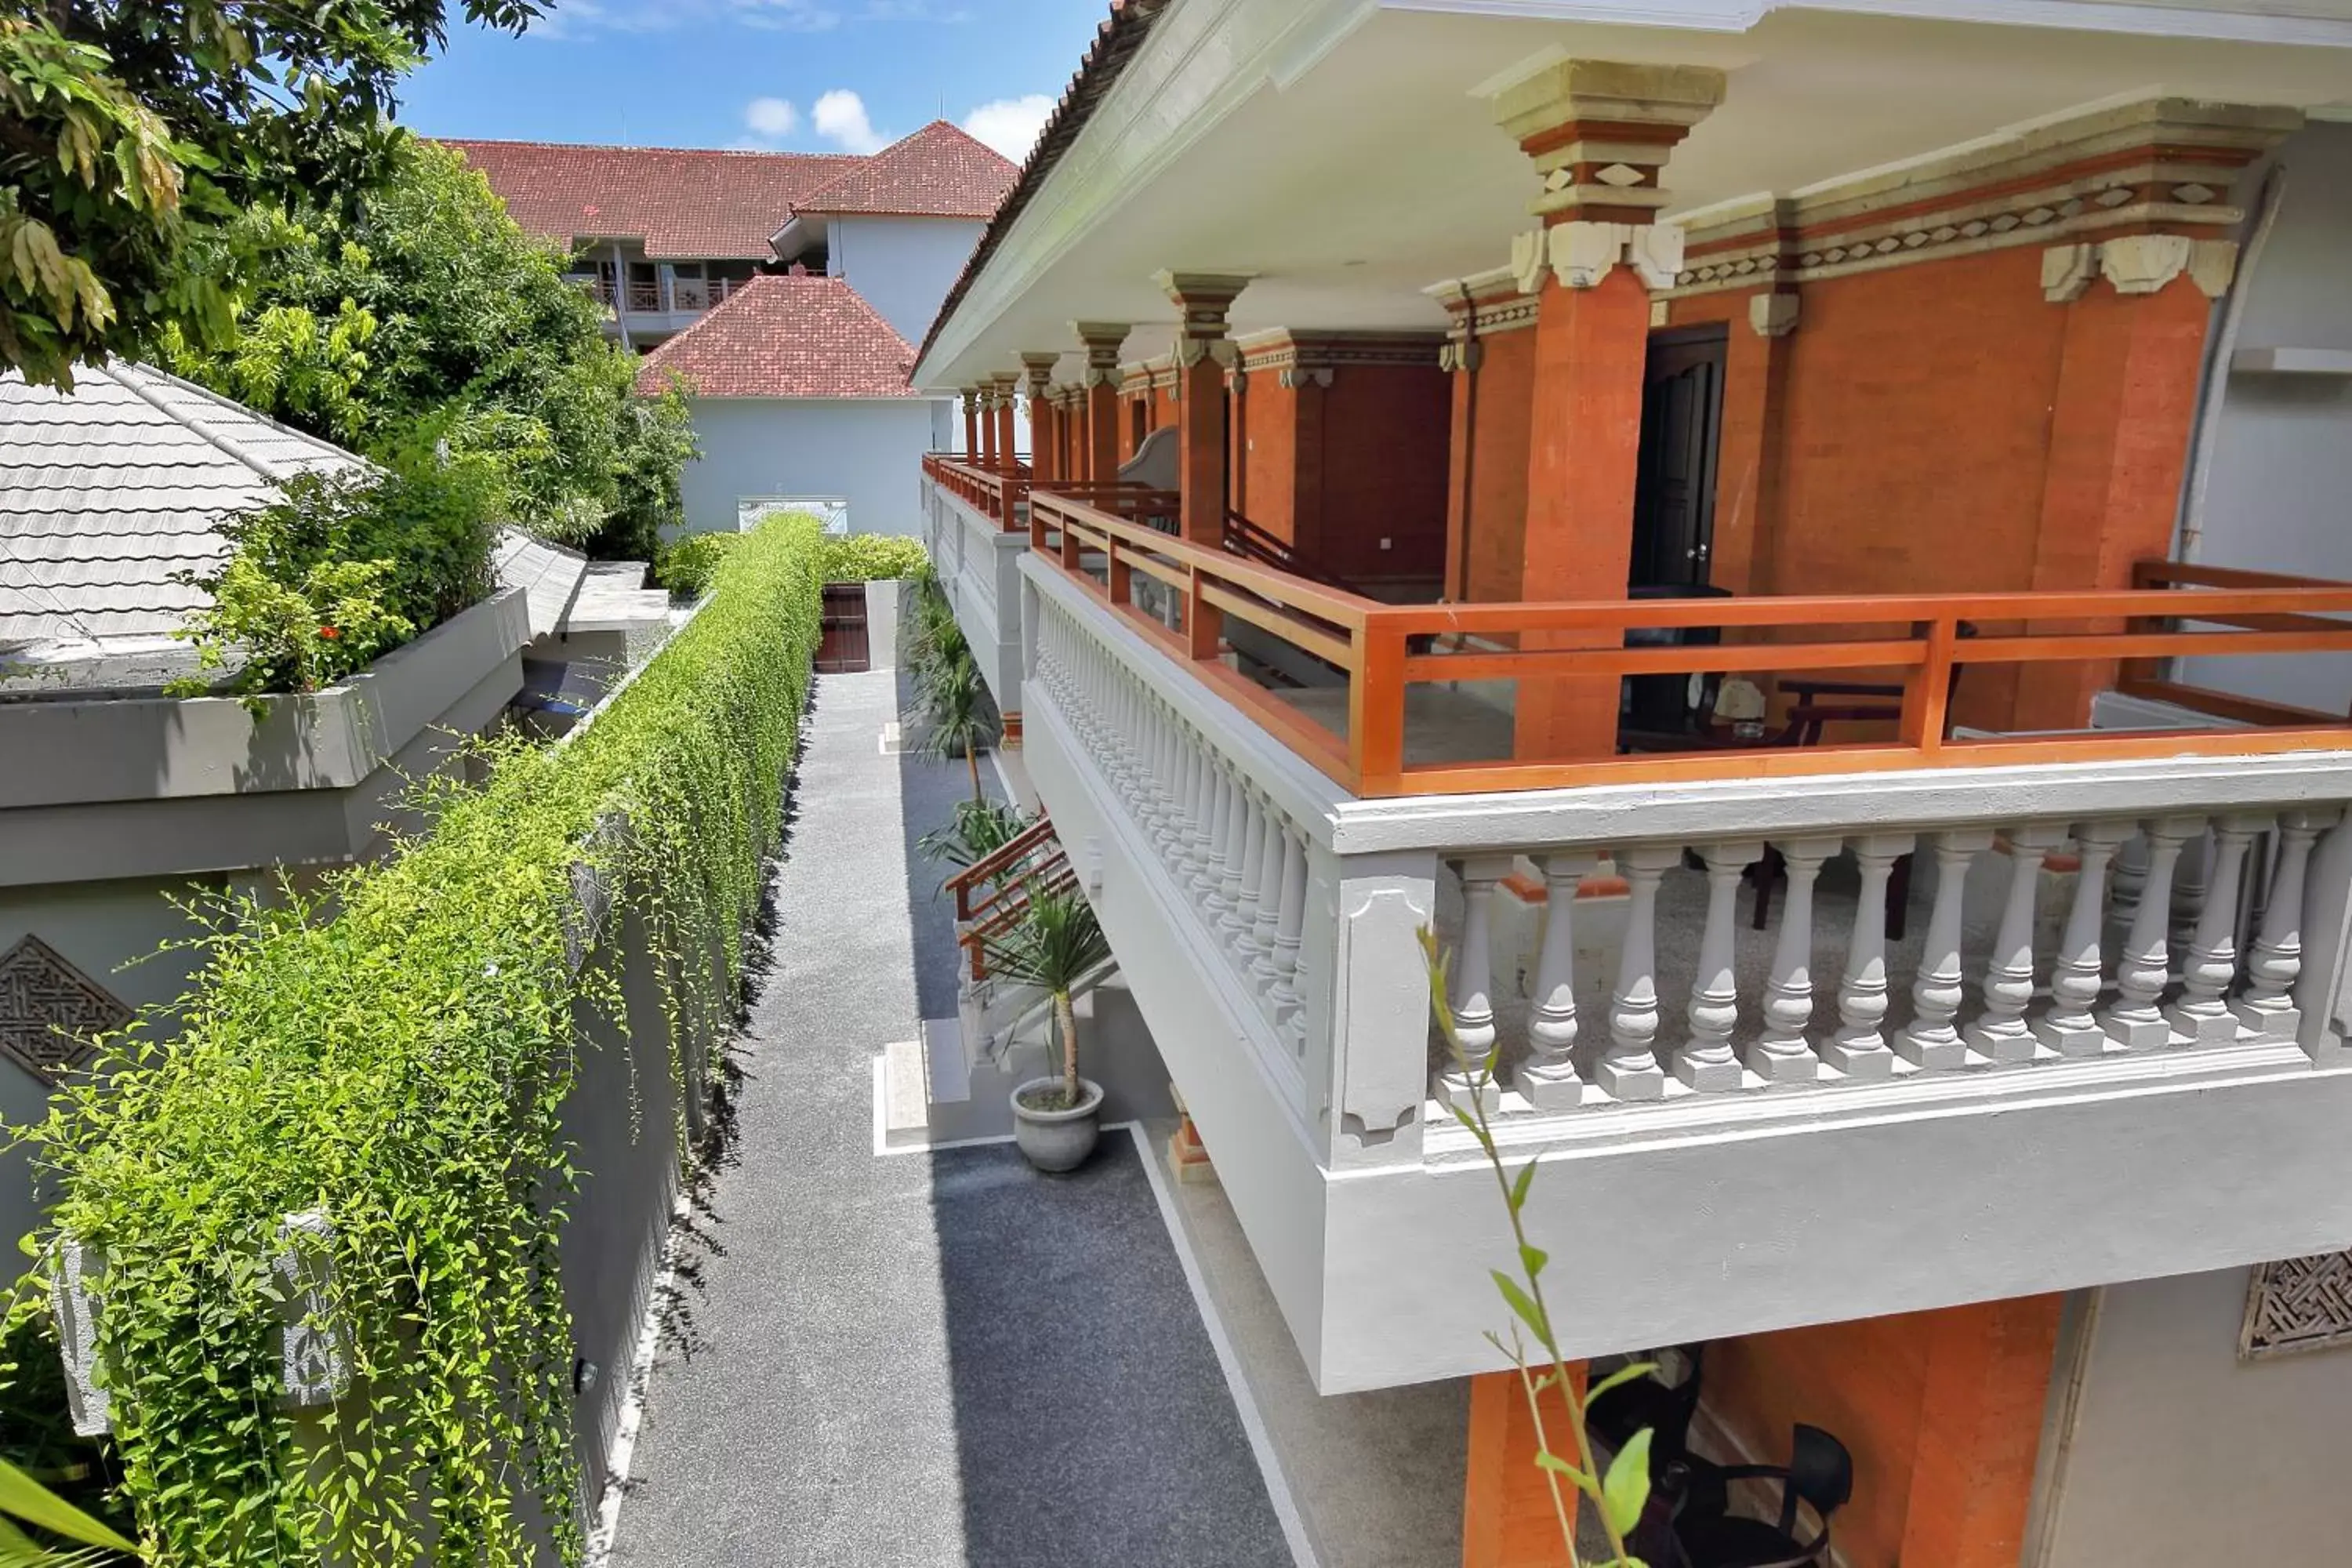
[393, 1049]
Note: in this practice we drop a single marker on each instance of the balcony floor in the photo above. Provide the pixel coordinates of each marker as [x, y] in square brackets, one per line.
[935, 1358]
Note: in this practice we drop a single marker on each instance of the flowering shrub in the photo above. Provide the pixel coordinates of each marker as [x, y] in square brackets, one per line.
[344, 567]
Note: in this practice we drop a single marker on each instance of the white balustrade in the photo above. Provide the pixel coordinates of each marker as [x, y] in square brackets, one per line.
[1859, 1048]
[1547, 1077]
[1709, 1063]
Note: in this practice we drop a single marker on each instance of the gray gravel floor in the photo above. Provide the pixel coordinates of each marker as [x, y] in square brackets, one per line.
[932, 1359]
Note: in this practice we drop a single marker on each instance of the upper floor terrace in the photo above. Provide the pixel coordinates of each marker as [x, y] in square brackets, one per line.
[1753, 630]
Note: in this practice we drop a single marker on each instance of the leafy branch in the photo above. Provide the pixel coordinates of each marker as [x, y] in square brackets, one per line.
[1619, 1494]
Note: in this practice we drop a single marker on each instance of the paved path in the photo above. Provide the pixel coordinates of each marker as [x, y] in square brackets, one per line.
[927, 1359]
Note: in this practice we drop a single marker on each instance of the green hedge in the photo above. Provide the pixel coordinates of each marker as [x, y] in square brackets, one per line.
[686, 567]
[400, 1064]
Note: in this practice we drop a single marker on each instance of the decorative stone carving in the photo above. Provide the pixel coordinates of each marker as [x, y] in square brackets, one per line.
[2144, 263]
[2212, 264]
[1581, 253]
[1381, 999]
[2297, 1304]
[49, 1010]
[1292, 377]
[1771, 315]
[1461, 355]
[2068, 270]
[1599, 132]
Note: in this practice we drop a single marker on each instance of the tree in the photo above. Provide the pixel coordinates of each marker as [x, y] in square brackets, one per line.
[1057, 943]
[427, 304]
[131, 128]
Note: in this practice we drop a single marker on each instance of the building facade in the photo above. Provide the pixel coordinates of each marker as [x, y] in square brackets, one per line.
[1797, 546]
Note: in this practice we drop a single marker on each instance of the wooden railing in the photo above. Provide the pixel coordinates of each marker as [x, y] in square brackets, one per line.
[1915, 638]
[992, 893]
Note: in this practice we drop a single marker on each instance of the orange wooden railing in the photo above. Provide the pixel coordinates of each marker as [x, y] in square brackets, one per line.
[995, 491]
[1380, 649]
[992, 893]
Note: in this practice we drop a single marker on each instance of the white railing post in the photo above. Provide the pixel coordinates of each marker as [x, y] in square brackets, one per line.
[2209, 967]
[1859, 1049]
[1630, 1069]
[1243, 938]
[2275, 962]
[1781, 1055]
[1284, 992]
[1708, 1063]
[2143, 969]
[2001, 1034]
[1933, 1039]
[2077, 974]
[1272, 858]
[1471, 993]
[1549, 1077]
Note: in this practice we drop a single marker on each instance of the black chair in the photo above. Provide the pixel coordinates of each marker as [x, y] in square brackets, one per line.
[1708, 1534]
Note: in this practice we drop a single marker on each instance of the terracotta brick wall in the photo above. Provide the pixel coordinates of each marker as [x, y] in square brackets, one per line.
[1491, 504]
[1336, 470]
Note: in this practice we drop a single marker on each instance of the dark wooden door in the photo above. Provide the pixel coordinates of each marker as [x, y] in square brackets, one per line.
[841, 649]
[1682, 427]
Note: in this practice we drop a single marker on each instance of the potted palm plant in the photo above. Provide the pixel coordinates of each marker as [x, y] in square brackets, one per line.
[1056, 946]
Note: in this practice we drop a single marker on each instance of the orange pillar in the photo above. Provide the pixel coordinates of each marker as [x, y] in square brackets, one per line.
[1508, 1517]
[1238, 436]
[1037, 370]
[1748, 471]
[1002, 384]
[2132, 358]
[985, 400]
[1098, 385]
[971, 422]
[1203, 351]
[1989, 1370]
[1599, 132]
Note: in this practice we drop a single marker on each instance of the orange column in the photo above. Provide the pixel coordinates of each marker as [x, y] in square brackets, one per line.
[1508, 1517]
[1099, 385]
[986, 403]
[1037, 370]
[1237, 458]
[2132, 359]
[971, 422]
[1202, 300]
[1599, 132]
[1748, 471]
[1988, 1382]
[1007, 448]
[1461, 359]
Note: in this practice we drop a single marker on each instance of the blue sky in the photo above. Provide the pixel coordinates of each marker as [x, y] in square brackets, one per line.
[795, 75]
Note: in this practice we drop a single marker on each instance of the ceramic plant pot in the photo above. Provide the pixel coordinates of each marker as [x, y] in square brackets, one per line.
[1057, 1140]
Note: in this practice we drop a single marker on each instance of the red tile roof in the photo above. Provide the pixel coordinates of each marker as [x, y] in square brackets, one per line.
[786, 335]
[938, 172]
[684, 204]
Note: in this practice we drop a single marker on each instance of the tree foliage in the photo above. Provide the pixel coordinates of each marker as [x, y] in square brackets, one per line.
[428, 304]
[130, 129]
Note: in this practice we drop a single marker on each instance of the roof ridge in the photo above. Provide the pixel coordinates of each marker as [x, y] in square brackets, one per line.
[785, 153]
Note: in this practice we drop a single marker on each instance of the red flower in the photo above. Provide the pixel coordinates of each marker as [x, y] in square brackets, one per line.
[331, 633]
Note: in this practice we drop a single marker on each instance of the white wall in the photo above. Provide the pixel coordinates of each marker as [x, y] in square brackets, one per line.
[867, 450]
[903, 266]
[2182, 1454]
[2282, 452]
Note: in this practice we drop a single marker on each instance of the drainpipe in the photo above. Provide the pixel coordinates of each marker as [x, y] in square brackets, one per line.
[621, 297]
[2190, 542]
[1469, 432]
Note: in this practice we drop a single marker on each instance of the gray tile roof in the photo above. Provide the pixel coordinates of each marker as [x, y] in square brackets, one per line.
[549, 574]
[107, 493]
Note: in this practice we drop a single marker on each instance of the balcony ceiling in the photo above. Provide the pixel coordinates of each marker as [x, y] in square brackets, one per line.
[1350, 163]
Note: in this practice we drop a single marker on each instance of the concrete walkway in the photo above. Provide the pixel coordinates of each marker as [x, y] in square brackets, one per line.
[939, 1358]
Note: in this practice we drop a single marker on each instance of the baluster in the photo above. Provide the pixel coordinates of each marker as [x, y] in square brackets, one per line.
[2275, 962]
[1782, 1056]
[2189, 880]
[1191, 766]
[1472, 991]
[1166, 790]
[1212, 887]
[1269, 904]
[1858, 1048]
[2076, 975]
[1249, 828]
[2209, 967]
[1201, 823]
[2001, 1034]
[1285, 993]
[1932, 1041]
[1707, 1063]
[1549, 1077]
[1629, 1069]
[2143, 968]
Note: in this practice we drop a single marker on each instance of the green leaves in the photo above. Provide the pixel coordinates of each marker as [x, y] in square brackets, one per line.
[1627, 1485]
[26, 1499]
[394, 1047]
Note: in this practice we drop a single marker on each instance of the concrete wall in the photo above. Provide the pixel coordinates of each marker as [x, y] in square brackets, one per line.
[2280, 465]
[866, 451]
[903, 266]
[2180, 1453]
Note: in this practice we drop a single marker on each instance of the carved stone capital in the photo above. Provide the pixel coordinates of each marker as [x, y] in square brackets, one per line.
[2138, 264]
[1599, 132]
[2068, 270]
[2144, 263]
[1772, 315]
[1293, 377]
[1581, 253]
[1461, 355]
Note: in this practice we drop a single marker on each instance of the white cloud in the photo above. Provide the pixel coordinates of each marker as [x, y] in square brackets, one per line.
[840, 118]
[773, 118]
[1011, 124]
